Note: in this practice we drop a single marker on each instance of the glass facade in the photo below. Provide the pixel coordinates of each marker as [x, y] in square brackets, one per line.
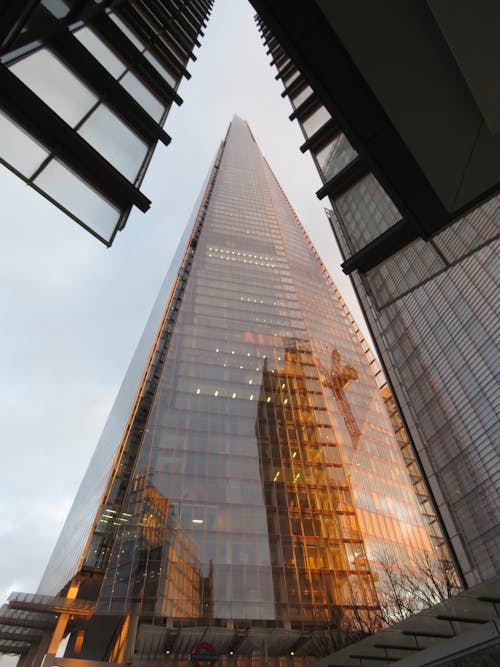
[442, 343]
[432, 308]
[258, 484]
[103, 82]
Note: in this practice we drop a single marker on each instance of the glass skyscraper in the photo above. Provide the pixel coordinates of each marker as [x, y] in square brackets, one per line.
[248, 490]
[431, 303]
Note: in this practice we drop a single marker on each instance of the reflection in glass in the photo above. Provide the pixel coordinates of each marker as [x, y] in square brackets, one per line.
[333, 157]
[315, 120]
[301, 96]
[365, 211]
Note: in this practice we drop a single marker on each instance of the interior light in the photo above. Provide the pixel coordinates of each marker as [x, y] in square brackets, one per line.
[250, 381]
[251, 397]
[294, 455]
[198, 390]
[216, 349]
[234, 395]
[285, 401]
[216, 393]
[232, 351]
[283, 385]
[268, 399]
[197, 520]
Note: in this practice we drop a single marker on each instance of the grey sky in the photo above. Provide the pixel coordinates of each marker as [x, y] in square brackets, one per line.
[72, 310]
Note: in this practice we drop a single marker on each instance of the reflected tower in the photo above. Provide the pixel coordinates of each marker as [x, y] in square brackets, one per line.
[248, 478]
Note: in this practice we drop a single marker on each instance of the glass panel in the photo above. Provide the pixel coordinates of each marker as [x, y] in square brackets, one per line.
[18, 148]
[283, 64]
[403, 271]
[58, 8]
[470, 232]
[114, 140]
[336, 155]
[99, 50]
[315, 120]
[161, 69]
[365, 211]
[56, 85]
[126, 30]
[83, 201]
[143, 95]
[290, 77]
[301, 96]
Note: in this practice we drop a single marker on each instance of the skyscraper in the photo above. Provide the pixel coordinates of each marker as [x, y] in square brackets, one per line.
[427, 283]
[248, 490]
[86, 89]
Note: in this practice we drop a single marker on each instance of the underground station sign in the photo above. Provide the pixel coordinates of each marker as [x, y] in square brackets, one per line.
[205, 655]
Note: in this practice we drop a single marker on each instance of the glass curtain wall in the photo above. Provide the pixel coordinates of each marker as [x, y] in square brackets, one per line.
[268, 483]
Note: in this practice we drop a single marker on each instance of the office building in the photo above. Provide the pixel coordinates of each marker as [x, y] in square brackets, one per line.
[248, 493]
[86, 89]
[407, 148]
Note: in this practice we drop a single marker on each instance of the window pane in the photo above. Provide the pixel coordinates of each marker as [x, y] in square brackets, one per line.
[58, 8]
[56, 85]
[290, 78]
[84, 202]
[18, 148]
[365, 211]
[315, 120]
[126, 30]
[100, 51]
[114, 140]
[336, 155]
[143, 96]
[161, 69]
[301, 96]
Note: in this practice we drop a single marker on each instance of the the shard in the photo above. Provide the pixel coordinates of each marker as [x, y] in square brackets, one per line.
[248, 491]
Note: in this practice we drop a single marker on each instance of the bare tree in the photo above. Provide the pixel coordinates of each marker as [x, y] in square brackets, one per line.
[402, 590]
[406, 589]
[348, 625]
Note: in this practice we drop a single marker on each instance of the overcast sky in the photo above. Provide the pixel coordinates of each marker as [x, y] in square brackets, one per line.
[73, 311]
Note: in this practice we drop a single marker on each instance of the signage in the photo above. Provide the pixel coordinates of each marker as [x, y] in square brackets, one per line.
[205, 655]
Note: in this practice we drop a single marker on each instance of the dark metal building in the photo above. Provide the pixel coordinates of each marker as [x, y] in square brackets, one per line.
[85, 90]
